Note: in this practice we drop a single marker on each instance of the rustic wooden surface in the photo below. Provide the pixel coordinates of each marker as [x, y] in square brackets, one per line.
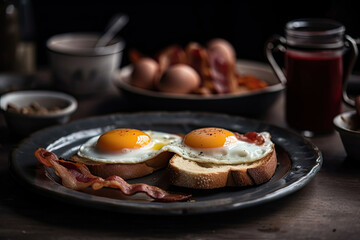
[327, 208]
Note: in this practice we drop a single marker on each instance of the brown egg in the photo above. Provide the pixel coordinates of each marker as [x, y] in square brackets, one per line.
[180, 79]
[224, 48]
[146, 73]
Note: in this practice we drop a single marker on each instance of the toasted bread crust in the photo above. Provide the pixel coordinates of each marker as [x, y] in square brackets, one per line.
[187, 173]
[126, 171]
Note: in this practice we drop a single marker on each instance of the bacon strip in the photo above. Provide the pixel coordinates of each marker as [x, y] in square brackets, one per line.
[77, 176]
[222, 73]
[251, 137]
[169, 56]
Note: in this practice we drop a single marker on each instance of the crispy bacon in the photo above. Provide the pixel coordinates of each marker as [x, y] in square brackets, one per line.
[169, 56]
[135, 55]
[198, 59]
[250, 82]
[222, 72]
[77, 176]
[251, 137]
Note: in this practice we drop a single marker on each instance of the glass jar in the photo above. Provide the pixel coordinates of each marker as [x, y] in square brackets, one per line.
[314, 74]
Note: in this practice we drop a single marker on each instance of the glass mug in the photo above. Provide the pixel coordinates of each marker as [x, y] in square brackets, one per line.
[314, 75]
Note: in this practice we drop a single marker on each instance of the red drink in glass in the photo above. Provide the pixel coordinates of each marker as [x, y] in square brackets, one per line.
[314, 89]
[314, 76]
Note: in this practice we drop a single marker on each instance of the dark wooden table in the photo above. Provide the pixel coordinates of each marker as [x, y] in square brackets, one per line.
[327, 208]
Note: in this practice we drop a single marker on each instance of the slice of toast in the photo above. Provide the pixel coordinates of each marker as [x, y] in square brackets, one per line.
[191, 174]
[125, 171]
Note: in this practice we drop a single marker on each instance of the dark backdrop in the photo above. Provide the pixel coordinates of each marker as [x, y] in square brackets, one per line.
[155, 24]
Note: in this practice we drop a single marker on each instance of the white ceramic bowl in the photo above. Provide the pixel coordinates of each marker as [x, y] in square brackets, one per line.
[24, 124]
[348, 126]
[78, 67]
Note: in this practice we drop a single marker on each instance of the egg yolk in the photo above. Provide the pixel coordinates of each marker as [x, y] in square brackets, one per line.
[209, 138]
[124, 138]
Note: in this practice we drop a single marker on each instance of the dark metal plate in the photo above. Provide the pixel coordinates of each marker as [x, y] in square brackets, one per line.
[298, 162]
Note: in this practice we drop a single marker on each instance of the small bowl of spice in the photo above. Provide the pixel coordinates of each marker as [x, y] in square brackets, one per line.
[29, 111]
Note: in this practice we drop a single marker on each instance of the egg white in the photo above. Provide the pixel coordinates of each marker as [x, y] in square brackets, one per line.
[238, 152]
[89, 151]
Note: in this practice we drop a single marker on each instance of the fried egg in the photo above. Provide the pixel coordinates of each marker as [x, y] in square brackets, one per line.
[220, 146]
[126, 146]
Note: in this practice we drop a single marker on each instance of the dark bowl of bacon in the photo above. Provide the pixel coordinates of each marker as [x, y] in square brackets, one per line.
[198, 78]
[253, 102]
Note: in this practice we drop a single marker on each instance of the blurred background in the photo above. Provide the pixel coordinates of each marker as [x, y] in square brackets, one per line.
[156, 24]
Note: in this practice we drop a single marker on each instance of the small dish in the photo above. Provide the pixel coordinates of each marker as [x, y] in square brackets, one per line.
[252, 103]
[348, 126]
[23, 124]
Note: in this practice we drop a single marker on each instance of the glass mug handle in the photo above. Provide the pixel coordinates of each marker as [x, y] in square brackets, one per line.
[274, 44]
[351, 44]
